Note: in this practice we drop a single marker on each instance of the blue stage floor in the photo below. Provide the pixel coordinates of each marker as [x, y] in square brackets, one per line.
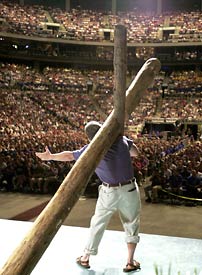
[184, 255]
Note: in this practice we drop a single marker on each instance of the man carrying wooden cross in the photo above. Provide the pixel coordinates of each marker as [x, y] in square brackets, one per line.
[118, 192]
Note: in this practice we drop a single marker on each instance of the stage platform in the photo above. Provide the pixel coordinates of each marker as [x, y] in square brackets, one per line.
[183, 254]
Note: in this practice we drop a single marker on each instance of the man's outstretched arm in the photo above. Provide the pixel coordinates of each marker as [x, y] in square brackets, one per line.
[62, 156]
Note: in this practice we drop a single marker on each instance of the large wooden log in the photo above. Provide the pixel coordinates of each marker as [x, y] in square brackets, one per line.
[141, 82]
[27, 254]
[120, 66]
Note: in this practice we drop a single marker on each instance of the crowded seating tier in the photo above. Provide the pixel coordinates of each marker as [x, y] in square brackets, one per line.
[88, 25]
[51, 108]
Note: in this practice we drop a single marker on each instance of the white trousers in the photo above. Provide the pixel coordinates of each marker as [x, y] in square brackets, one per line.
[124, 199]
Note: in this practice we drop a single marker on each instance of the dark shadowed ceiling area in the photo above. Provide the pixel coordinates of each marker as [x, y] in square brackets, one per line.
[123, 5]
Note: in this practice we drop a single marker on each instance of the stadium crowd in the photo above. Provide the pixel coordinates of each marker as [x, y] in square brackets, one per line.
[51, 108]
[175, 168]
[68, 84]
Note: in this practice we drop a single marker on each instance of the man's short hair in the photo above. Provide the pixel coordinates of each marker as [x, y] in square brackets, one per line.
[92, 128]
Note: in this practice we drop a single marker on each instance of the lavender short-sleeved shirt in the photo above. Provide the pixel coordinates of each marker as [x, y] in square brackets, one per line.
[116, 165]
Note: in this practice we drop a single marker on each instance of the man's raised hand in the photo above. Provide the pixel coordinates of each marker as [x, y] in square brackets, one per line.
[45, 155]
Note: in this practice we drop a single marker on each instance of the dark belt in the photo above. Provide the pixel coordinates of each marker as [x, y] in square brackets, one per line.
[118, 184]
